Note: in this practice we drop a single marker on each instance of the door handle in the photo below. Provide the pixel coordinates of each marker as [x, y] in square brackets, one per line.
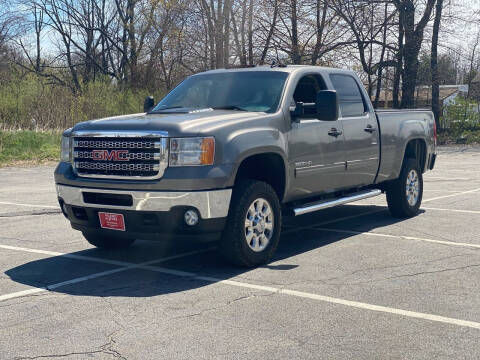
[370, 129]
[334, 132]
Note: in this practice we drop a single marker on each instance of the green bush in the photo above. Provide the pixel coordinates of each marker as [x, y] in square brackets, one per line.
[461, 115]
[31, 102]
[460, 122]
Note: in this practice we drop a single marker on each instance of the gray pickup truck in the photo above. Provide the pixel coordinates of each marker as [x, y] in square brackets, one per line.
[228, 153]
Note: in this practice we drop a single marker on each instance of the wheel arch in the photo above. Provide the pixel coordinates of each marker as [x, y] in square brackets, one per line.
[268, 166]
[416, 148]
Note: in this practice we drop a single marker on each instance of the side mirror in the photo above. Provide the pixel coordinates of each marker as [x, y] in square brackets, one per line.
[296, 111]
[148, 104]
[327, 105]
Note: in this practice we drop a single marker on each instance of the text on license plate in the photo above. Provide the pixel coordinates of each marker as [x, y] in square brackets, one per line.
[112, 221]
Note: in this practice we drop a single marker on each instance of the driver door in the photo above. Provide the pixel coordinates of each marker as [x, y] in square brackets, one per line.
[316, 147]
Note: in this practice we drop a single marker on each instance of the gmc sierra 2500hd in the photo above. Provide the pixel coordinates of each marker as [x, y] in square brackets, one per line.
[227, 153]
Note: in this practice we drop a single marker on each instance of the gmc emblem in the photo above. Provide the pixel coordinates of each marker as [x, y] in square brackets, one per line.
[113, 155]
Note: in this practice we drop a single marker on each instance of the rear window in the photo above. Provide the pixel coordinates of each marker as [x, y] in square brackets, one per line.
[349, 95]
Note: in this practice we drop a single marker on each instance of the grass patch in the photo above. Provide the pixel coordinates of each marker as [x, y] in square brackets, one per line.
[470, 137]
[30, 147]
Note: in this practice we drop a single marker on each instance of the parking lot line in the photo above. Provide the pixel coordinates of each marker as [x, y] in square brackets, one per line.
[445, 178]
[369, 212]
[445, 191]
[126, 266]
[384, 309]
[451, 195]
[443, 242]
[427, 208]
[298, 228]
[148, 266]
[29, 205]
[453, 210]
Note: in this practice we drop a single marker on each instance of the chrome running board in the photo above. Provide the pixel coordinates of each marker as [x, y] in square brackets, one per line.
[311, 207]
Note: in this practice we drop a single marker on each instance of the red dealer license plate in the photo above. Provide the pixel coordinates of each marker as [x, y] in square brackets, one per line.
[112, 221]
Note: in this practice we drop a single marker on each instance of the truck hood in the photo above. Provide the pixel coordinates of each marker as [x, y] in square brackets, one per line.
[176, 124]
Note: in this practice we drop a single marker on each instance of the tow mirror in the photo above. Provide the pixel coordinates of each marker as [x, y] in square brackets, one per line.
[148, 104]
[327, 105]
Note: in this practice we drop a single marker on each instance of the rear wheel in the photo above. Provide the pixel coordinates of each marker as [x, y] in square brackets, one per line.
[108, 242]
[253, 227]
[404, 195]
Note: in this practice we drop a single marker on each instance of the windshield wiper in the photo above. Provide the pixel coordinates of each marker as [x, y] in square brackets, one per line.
[229, 107]
[168, 108]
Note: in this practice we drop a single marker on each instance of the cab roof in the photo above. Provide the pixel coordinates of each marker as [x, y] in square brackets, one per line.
[278, 68]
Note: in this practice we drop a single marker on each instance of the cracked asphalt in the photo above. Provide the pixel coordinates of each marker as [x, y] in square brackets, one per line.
[346, 283]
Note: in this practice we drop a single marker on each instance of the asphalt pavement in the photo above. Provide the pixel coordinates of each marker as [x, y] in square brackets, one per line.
[349, 282]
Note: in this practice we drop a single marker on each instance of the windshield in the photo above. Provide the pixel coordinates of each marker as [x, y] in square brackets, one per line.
[243, 91]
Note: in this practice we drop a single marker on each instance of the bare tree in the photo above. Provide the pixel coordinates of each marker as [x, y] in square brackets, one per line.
[434, 62]
[413, 34]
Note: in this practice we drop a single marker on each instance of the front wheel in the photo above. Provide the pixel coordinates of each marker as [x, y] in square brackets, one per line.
[404, 195]
[108, 242]
[253, 226]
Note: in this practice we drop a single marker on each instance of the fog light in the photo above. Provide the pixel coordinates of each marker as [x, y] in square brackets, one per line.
[191, 217]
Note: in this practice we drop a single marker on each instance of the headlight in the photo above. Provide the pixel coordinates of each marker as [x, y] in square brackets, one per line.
[66, 150]
[192, 151]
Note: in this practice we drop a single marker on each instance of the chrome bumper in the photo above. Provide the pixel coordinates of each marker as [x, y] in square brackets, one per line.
[210, 204]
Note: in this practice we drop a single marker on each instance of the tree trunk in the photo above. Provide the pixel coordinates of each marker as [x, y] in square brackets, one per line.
[295, 51]
[382, 56]
[434, 62]
[226, 38]
[270, 33]
[219, 25]
[243, 55]
[250, 33]
[399, 67]
[413, 43]
[321, 18]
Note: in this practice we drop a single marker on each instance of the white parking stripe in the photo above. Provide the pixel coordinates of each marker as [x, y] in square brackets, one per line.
[427, 177]
[368, 212]
[384, 309]
[441, 190]
[298, 228]
[453, 210]
[126, 266]
[301, 294]
[428, 208]
[456, 170]
[443, 242]
[21, 293]
[451, 195]
[99, 260]
[29, 205]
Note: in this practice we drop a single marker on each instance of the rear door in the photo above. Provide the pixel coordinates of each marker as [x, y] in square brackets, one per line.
[360, 130]
[316, 147]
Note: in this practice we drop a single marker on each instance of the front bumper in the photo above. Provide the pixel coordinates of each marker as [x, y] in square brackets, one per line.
[148, 214]
[210, 204]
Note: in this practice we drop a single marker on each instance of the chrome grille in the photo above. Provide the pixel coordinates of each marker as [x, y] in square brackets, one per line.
[99, 144]
[129, 156]
[112, 155]
[117, 167]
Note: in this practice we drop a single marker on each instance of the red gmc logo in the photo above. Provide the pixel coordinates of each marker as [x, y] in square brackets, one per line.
[113, 155]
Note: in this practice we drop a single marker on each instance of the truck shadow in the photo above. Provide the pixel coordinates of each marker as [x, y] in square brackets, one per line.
[194, 271]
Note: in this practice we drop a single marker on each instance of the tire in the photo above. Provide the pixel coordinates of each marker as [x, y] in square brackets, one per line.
[253, 225]
[107, 242]
[404, 199]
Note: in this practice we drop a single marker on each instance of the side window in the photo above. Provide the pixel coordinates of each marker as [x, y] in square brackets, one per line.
[306, 92]
[349, 95]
